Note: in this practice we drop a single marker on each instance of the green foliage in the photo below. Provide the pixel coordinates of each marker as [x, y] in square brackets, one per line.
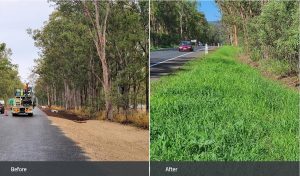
[69, 69]
[265, 29]
[172, 21]
[165, 40]
[8, 74]
[219, 109]
[278, 67]
[214, 34]
[279, 31]
[256, 54]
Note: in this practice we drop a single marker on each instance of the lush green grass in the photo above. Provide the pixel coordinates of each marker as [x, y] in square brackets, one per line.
[219, 109]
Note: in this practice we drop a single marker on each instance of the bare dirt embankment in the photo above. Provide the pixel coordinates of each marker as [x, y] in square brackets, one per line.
[106, 141]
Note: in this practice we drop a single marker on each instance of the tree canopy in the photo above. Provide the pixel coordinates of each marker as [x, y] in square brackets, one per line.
[267, 30]
[172, 21]
[8, 74]
[71, 64]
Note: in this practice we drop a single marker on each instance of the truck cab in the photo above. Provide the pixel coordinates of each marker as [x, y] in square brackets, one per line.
[23, 102]
[2, 106]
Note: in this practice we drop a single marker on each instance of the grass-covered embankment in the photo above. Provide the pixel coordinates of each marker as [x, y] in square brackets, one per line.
[220, 109]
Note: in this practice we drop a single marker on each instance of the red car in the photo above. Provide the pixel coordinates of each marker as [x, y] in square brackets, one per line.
[185, 46]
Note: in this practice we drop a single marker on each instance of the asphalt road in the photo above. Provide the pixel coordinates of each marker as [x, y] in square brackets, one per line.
[25, 138]
[166, 61]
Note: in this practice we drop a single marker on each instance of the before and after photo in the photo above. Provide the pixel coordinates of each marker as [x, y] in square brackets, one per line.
[149, 88]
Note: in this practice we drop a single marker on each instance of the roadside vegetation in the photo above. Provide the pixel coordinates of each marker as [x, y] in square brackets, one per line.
[94, 58]
[268, 32]
[9, 77]
[220, 109]
[156, 48]
[173, 21]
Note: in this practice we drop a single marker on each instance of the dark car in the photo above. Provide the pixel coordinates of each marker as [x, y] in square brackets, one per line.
[186, 46]
[1, 108]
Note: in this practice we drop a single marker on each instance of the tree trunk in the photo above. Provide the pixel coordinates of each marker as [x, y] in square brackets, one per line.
[100, 43]
[106, 85]
[147, 94]
[66, 95]
[180, 23]
[48, 97]
[235, 35]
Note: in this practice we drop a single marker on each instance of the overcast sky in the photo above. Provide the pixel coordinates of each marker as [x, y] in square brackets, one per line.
[15, 17]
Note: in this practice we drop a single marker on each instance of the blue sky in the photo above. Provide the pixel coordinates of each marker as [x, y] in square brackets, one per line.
[15, 17]
[210, 10]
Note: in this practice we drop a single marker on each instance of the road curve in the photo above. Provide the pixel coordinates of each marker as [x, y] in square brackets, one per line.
[25, 138]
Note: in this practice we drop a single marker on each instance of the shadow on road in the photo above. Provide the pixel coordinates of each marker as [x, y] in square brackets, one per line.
[36, 139]
[169, 67]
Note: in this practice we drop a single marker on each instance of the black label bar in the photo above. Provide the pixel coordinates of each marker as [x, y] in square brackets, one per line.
[76, 168]
[224, 168]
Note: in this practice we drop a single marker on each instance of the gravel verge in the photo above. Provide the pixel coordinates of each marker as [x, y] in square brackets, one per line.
[106, 141]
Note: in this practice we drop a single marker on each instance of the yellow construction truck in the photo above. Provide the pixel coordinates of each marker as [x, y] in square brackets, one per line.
[23, 102]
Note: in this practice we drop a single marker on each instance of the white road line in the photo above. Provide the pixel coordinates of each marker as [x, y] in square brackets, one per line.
[174, 58]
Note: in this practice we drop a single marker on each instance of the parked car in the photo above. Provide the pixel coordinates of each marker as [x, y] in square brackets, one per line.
[185, 46]
[2, 108]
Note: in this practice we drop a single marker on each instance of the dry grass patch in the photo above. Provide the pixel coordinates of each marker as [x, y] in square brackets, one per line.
[137, 118]
[58, 108]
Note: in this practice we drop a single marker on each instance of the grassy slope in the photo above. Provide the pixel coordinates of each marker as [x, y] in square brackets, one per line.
[219, 109]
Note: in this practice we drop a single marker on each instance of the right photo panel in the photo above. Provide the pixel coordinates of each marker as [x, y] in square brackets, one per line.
[224, 86]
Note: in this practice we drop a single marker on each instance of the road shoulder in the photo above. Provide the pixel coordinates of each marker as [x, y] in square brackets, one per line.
[106, 141]
[171, 65]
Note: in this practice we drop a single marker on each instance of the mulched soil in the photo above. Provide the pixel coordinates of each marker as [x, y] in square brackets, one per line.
[65, 115]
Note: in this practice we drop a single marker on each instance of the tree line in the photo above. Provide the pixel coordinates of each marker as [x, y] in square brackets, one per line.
[173, 21]
[266, 30]
[94, 56]
[9, 78]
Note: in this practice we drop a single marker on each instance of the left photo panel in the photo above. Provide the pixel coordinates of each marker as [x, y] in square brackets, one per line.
[74, 80]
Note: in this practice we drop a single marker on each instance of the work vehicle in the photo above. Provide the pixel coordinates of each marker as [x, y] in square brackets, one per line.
[185, 46]
[23, 102]
[2, 108]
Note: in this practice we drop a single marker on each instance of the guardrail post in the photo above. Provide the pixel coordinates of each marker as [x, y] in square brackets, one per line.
[206, 49]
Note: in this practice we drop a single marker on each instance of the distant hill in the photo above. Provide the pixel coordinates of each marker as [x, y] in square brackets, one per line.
[214, 22]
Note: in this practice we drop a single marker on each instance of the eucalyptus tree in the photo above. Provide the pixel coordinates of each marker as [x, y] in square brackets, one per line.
[172, 21]
[265, 29]
[94, 55]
